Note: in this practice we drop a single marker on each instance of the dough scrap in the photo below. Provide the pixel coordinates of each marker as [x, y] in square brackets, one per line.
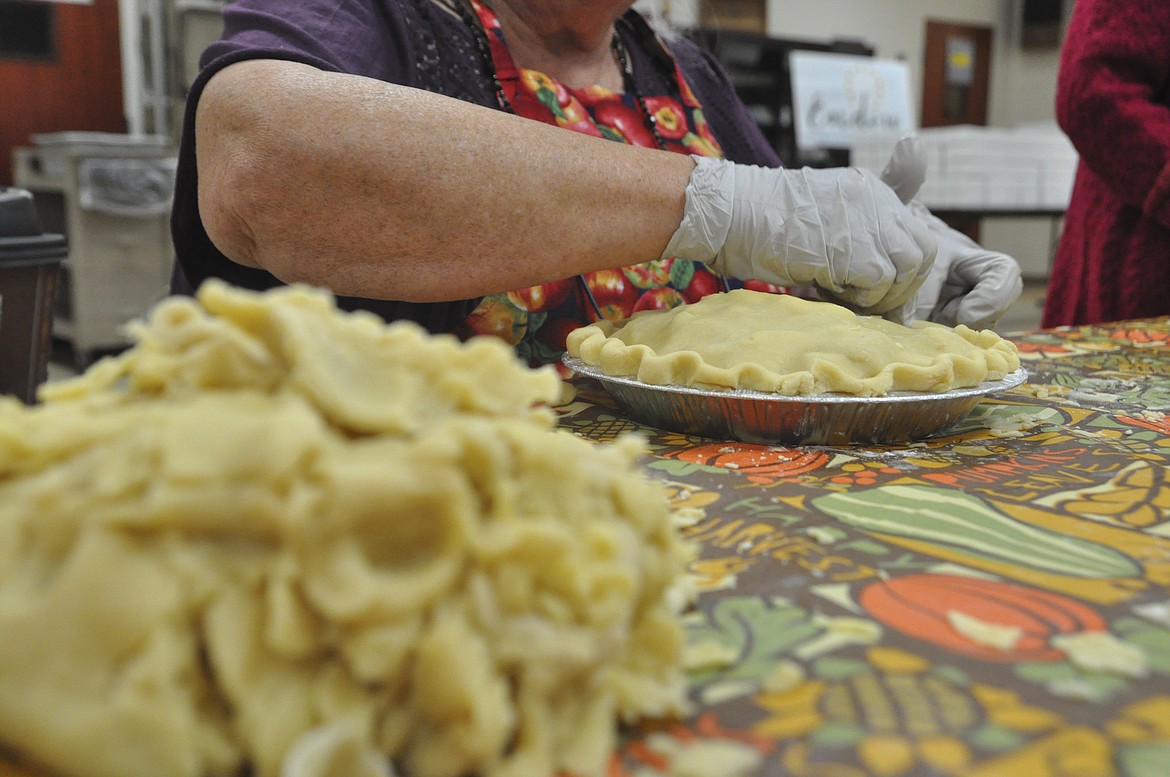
[783, 344]
[276, 535]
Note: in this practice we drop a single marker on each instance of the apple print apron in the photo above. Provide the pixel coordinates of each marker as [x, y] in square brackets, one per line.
[537, 319]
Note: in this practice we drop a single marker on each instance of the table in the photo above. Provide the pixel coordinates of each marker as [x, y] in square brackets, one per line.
[835, 597]
[969, 220]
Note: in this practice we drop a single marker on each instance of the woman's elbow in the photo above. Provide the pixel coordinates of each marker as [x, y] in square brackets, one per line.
[225, 219]
[232, 153]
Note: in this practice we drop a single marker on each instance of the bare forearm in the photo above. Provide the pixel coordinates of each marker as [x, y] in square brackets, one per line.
[378, 190]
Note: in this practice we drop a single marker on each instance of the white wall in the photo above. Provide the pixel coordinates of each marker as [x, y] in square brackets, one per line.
[894, 29]
[1023, 90]
[1021, 81]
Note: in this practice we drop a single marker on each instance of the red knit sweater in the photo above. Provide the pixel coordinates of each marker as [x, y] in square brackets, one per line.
[1113, 102]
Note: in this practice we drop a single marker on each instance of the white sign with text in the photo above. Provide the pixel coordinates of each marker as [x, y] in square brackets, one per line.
[837, 97]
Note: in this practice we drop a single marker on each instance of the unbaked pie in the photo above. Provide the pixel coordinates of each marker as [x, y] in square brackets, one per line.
[787, 345]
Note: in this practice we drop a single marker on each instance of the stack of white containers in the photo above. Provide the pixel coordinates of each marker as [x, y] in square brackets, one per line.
[1027, 168]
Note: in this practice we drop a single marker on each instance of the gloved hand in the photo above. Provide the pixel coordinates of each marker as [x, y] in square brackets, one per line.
[841, 230]
[968, 284]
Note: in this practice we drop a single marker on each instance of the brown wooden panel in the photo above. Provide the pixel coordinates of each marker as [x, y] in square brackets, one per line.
[9, 767]
[741, 15]
[79, 89]
[950, 100]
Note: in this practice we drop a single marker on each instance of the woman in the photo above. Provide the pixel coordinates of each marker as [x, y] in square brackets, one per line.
[411, 155]
[1113, 102]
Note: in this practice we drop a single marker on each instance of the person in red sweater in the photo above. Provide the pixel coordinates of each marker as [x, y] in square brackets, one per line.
[1113, 102]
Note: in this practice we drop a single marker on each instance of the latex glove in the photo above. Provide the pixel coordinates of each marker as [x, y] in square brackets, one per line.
[840, 230]
[968, 284]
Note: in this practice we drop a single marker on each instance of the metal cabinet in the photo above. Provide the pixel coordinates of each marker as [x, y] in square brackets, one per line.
[117, 267]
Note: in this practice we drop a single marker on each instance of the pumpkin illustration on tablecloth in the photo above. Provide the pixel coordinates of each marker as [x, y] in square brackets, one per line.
[922, 606]
[1141, 337]
[761, 463]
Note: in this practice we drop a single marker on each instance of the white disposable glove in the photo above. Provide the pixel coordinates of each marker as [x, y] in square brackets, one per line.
[968, 284]
[840, 230]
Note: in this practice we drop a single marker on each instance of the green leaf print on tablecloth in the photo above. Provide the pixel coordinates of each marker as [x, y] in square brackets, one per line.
[759, 631]
[959, 520]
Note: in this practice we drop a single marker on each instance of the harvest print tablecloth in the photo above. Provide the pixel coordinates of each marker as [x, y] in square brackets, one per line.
[995, 601]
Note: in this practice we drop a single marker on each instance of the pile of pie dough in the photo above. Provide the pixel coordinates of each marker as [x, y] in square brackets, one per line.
[784, 344]
[276, 537]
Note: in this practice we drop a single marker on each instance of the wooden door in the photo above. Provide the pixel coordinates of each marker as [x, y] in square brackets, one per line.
[72, 82]
[956, 72]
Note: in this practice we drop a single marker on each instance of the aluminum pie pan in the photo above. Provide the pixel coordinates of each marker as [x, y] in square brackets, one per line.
[817, 419]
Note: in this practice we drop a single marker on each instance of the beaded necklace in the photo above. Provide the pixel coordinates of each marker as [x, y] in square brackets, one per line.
[617, 46]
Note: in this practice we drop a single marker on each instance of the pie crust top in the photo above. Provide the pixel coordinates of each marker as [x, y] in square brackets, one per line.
[783, 344]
